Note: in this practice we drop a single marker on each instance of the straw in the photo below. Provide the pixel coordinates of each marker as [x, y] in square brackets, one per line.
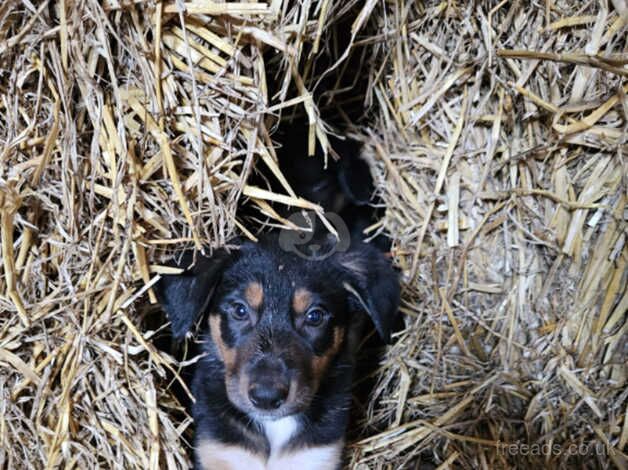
[496, 135]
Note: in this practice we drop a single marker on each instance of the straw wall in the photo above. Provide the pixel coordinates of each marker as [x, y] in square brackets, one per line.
[496, 132]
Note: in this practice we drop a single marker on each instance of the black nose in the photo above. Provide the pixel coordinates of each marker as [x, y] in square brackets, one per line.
[268, 397]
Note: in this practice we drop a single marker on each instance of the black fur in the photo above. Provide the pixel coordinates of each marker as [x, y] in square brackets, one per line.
[350, 284]
[184, 297]
[376, 286]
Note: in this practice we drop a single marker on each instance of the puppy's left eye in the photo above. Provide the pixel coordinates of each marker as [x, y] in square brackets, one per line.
[315, 316]
[239, 311]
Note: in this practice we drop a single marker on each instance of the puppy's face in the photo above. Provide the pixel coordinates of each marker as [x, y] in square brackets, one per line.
[277, 321]
[277, 328]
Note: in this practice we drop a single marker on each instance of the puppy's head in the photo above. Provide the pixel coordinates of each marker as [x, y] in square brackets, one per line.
[277, 321]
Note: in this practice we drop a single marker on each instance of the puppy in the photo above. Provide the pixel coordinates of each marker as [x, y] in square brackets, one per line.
[279, 331]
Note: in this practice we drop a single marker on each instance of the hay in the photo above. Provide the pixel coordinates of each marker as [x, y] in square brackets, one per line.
[501, 166]
[496, 133]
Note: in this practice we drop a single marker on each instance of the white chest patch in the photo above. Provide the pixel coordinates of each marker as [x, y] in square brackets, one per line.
[313, 458]
[279, 432]
[213, 455]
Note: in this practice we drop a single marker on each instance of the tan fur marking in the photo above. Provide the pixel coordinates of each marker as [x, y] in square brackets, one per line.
[301, 300]
[320, 363]
[214, 455]
[227, 354]
[243, 385]
[254, 294]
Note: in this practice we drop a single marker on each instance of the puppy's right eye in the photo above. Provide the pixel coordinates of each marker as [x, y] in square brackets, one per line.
[315, 317]
[239, 311]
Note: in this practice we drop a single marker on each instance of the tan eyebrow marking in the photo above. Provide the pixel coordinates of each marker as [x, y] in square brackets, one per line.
[254, 294]
[301, 300]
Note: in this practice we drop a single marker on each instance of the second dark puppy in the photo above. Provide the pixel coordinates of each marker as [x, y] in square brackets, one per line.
[280, 333]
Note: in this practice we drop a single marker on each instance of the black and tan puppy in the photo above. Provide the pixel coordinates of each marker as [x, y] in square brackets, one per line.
[280, 332]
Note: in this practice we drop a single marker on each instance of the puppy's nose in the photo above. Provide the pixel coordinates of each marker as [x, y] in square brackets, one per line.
[268, 397]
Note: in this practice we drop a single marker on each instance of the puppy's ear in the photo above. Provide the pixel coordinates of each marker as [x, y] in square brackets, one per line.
[186, 296]
[373, 286]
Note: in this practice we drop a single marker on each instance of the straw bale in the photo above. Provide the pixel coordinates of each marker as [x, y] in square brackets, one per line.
[496, 133]
[499, 149]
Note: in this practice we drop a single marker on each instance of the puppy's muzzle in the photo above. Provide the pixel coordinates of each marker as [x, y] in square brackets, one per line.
[269, 383]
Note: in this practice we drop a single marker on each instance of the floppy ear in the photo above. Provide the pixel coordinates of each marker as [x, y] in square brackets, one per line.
[373, 286]
[186, 296]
